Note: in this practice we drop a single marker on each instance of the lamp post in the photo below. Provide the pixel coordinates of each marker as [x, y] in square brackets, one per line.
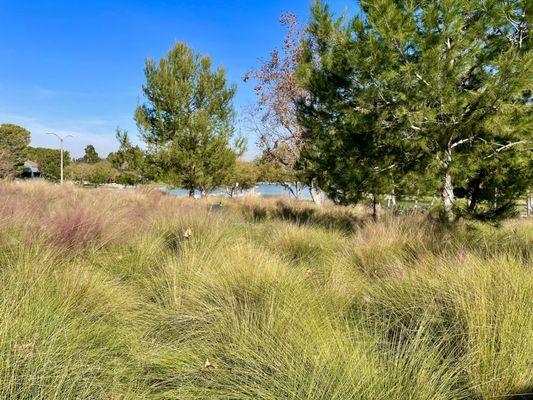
[61, 139]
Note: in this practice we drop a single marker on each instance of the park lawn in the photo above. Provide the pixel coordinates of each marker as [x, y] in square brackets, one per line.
[139, 295]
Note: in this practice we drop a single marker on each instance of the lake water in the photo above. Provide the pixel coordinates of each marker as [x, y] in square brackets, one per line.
[263, 189]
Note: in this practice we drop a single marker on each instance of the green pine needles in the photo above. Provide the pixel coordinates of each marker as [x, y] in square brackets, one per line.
[187, 120]
[439, 90]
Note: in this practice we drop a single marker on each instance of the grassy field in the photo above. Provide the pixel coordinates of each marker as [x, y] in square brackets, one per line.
[138, 295]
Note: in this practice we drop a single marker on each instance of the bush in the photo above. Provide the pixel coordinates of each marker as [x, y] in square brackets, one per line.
[96, 174]
[128, 178]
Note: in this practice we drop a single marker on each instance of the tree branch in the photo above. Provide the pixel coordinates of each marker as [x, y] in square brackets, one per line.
[505, 147]
[454, 145]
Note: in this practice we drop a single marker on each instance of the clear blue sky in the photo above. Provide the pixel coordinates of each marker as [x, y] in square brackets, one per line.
[76, 66]
[73, 66]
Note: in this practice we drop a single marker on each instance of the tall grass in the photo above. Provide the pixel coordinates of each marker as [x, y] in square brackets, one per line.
[138, 295]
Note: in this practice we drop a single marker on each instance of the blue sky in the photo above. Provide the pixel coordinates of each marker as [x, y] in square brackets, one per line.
[76, 67]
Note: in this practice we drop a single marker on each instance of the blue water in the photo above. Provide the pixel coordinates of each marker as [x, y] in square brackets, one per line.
[263, 189]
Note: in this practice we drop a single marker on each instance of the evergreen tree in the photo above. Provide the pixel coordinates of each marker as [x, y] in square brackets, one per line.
[443, 86]
[14, 141]
[493, 186]
[187, 120]
[351, 144]
[90, 156]
[129, 160]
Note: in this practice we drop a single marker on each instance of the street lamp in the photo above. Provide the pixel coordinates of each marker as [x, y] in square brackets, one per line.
[61, 139]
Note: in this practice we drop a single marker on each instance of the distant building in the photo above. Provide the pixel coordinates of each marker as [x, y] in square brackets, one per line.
[31, 170]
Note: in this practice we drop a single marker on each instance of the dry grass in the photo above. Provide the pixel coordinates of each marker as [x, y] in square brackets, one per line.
[139, 295]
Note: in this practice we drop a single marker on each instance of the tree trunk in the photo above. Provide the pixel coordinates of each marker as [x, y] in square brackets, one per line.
[448, 196]
[317, 195]
[294, 191]
[297, 191]
[191, 192]
[203, 192]
[474, 195]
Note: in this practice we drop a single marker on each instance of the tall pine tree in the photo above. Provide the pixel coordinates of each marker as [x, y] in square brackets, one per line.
[187, 120]
[352, 140]
[434, 86]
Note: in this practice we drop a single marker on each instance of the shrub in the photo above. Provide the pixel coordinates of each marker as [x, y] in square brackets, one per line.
[96, 174]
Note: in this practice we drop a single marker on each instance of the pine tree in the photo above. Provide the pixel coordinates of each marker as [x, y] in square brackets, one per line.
[14, 141]
[351, 144]
[129, 160]
[187, 120]
[445, 85]
[90, 156]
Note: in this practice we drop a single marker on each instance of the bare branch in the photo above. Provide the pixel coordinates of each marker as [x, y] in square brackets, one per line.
[505, 147]
[454, 145]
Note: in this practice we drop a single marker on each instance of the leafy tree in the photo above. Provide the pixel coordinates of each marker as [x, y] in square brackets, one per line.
[274, 119]
[14, 141]
[443, 86]
[49, 161]
[273, 172]
[127, 178]
[187, 120]
[269, 172]
[90, 156]
[129, 160]
[244, 177]
[96, 174]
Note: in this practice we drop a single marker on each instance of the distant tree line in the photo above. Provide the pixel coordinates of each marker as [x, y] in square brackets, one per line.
[15, 150]
[129, 165]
